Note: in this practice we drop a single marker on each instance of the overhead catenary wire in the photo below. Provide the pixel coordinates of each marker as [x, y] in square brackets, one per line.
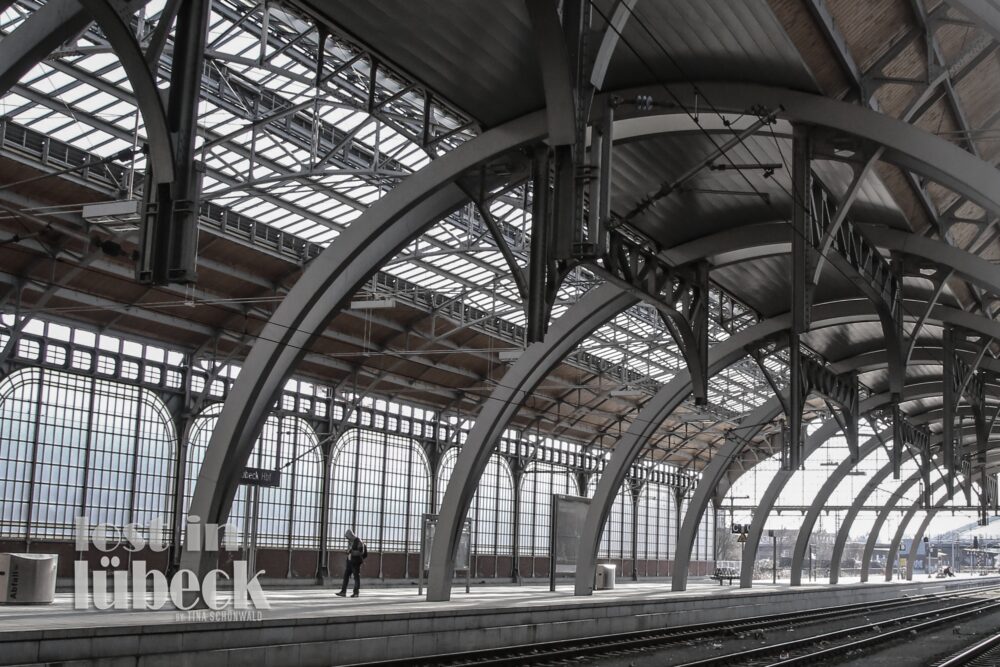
[796, 199]
[234, 301]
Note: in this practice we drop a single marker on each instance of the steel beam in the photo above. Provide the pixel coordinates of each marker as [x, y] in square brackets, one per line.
[609, 41]
[770, 496]
[906, 146]
[424, 197]
[37, 36]
[897, 537]
[553, 56]
[319, 294]
[627, 449]
[712, 474]
[894, 498]
[597, 307]
[113, 19]
[984, 12]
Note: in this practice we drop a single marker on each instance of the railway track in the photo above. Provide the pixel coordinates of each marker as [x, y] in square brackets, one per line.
[816, 648]
[981, 654]
[654, 640]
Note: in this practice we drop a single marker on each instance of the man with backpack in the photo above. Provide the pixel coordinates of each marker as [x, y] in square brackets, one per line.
[357, 552]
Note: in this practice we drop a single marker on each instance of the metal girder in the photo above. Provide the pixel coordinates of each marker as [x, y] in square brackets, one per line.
[553, 55]
[768, 238]
[836, 238]
[962, 380]
[877, 358]
[706, 489]
[828, 487]
[983, 12]
[895, 497]
[425, 196]
[38, 36]
[803, 248]
[770, 496]
[918, 537]
[815, 441]
[320, 293]
[631, 444]
[680, 295]
[114, 20]
[169, 227]
[807, 376]
[518, 383]
[897, 538]
[515, 269]
[831, 483]
[827, 221]
[905, 146]
[609, 41]
[557, 233]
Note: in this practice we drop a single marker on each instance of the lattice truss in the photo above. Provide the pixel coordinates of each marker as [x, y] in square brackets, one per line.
[306, 148]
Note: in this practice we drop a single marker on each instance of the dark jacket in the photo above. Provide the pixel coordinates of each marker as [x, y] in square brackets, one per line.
[358, 551]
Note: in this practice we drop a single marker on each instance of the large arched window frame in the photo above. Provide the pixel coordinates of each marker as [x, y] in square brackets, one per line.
[616, 539]
[72, 445]
[538, 484]
[380, 488]
[287, 516]
[492, 509]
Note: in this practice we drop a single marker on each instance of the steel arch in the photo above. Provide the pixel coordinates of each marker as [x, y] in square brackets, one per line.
[596, 308]
[428, 194]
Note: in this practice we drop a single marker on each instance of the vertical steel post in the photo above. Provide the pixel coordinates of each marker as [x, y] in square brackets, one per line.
[796, 397]
[774, 557]
[801, 229]
[897, 440]
[801, 306]
[635, 489]
[950, 400]
[170, 233]
[322, 559]
[517, 473]
[537, 264]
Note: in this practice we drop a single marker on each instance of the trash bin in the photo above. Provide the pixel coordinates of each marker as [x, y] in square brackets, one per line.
[605, 577]
[28, 578]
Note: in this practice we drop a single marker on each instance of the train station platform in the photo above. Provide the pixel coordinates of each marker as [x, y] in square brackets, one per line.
[312, 626]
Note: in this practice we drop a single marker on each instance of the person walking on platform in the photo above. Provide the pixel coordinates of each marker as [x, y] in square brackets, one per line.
[357, 552]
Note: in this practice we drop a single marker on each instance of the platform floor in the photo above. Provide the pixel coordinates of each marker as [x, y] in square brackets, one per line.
[316, 602]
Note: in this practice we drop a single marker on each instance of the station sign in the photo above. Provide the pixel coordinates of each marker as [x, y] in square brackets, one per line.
[260, 477]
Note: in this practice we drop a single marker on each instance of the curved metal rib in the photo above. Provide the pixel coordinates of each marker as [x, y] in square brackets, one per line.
[596, 308]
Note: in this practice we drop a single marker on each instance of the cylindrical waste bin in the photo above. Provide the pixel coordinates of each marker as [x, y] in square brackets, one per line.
[605, 577]
[28, 578]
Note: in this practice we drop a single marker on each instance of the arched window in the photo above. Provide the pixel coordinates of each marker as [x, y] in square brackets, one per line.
[616, 540]
[492, 510]
[380, 488]
[657, 522]
[73, 446]
[538, 483]
[287, 515]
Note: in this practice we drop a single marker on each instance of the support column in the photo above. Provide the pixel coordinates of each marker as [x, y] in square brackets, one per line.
[517, 474]
[866, 557]
[950, 408]
[322, 556]
[169, 242]
[635, 491]
[774, 489]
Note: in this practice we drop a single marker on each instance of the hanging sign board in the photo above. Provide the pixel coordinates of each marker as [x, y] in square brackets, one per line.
[260, 477]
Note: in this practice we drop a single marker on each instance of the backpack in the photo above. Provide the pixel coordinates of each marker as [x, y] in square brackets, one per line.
[359, 552]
